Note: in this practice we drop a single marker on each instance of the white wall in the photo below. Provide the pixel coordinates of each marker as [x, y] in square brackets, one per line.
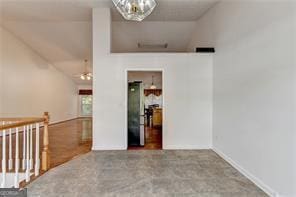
[126, 35]
[30, 86]
[187, 93]
[84, 87]
[254, 88]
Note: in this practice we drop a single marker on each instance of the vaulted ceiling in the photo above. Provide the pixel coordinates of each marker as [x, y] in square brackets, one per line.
[60, 30]
[80, 10]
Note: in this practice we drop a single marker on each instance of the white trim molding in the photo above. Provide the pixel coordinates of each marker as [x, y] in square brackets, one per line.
[107, 148]
[126, 101]
[186, 147]
[269, 191]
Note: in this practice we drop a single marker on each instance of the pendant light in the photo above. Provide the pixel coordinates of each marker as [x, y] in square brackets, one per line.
[152, 87]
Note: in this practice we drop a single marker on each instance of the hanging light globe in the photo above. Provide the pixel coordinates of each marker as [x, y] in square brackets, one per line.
[135, 10]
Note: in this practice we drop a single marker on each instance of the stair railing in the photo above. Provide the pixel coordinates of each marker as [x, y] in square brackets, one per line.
[26, 160]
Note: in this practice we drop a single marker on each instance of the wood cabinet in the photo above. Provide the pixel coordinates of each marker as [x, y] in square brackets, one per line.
[157, 117]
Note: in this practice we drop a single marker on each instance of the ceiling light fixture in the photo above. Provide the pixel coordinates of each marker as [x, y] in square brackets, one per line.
[86, 75]
[135, 10]
[152, 87]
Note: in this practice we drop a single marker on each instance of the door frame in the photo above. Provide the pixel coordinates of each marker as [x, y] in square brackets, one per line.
[126, 101]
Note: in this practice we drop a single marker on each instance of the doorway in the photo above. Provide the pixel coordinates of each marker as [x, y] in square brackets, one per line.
[144, 110]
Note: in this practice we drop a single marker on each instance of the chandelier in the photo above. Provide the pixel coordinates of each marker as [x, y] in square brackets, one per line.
[135, 10]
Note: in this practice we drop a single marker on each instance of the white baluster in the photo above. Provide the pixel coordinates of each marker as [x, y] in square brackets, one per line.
[24, 148]
[37, 160]
[28, 155]
[17, 160]
[10, 150]
[3, 158]
[31, 147]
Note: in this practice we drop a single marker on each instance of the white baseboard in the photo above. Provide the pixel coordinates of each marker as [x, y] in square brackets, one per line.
[250, 176]
[100, 148]
[185, 147]
[170, 147]
[61, 121]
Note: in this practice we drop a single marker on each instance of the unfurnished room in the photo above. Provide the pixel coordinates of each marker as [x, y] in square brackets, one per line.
[148, 98]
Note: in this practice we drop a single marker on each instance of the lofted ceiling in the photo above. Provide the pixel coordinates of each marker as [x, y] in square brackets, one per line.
[80, 10]
[63, 44]
[60, 30]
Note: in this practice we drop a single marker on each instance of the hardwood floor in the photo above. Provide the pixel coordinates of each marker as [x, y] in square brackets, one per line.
[72, 138]
[153, 139]
[69, 139]
[66, 141]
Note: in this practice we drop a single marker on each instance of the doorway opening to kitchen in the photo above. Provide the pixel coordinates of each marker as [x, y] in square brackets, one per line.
[144, 110]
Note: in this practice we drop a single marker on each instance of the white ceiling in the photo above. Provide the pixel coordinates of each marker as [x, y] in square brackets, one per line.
[60, 30]
[80, 10]
[64, 44]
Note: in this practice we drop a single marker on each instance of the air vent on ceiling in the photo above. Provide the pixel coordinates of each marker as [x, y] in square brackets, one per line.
[205, 50]
[152, 46]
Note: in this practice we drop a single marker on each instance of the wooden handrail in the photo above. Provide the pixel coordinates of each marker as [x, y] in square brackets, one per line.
[19, 118]
[22, 122]
[18, 122]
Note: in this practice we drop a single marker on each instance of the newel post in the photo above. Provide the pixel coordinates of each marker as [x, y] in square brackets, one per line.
[45, 151]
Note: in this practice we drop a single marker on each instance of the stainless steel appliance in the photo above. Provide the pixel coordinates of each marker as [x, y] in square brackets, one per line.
[136, 117]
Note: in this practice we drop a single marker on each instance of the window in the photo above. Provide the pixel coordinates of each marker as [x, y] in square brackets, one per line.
[86, 105]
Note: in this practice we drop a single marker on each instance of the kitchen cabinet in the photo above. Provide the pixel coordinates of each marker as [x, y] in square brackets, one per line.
[157, 117]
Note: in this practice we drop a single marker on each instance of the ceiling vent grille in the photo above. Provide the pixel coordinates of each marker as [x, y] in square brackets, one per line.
[152, 46]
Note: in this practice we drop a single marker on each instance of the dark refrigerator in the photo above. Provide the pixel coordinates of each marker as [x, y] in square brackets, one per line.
[135, 114]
